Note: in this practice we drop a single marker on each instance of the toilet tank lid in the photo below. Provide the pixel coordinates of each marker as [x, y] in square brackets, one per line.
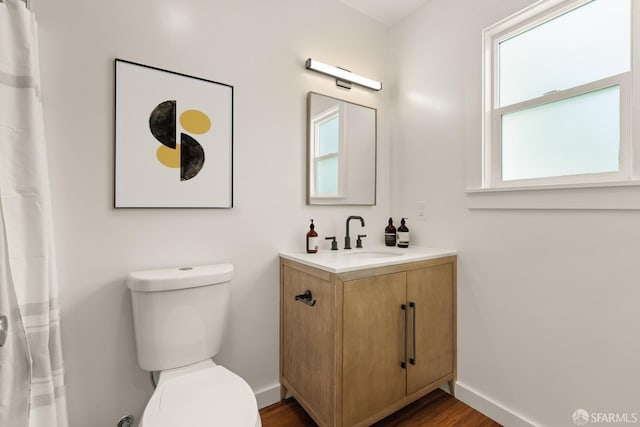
[169, 279]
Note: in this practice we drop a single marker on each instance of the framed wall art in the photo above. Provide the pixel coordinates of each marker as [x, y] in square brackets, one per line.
[173, 139]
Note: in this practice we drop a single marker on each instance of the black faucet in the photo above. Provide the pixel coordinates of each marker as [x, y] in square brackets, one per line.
[347, 239]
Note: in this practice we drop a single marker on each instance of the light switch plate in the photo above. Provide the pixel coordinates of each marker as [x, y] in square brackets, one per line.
[420, 211]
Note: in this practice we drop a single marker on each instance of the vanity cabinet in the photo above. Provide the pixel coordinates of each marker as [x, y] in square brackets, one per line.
[366, 342]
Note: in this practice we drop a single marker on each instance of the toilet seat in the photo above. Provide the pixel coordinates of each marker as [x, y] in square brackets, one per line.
[201, 395]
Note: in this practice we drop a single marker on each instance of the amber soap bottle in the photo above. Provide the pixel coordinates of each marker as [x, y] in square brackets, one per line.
[390, 234]
[312, 239]
[403, 235]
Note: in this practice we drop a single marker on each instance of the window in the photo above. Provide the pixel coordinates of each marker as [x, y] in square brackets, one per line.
[557, 95]
[326, 159]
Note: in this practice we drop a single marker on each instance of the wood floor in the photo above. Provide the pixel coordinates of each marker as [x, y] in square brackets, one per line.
[435, 409]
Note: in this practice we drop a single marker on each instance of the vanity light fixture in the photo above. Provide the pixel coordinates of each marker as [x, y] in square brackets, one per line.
[342, 76]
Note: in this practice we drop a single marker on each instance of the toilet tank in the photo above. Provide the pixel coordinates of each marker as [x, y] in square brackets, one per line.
[179, 314]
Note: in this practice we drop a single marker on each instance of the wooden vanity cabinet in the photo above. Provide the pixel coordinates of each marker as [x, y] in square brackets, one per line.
[372, 342]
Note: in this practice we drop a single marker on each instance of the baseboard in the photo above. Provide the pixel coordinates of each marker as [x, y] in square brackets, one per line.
[475, 399]
[494, 410]
[268, 396]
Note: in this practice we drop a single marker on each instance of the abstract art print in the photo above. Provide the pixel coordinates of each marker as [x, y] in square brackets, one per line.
[173, 139]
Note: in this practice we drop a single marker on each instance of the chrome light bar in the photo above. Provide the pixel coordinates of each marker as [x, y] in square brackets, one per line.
[342, 75]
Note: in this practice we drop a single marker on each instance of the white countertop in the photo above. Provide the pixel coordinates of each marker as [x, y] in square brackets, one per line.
[342, 260]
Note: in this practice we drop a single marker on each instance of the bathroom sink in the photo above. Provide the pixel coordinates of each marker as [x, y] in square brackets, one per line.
[372, 254]
[346, 260]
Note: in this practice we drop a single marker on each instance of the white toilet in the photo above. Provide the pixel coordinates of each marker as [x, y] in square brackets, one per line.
[179, 318]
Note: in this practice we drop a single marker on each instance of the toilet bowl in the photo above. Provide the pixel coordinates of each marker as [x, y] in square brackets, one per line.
[201, 395]
[179, 317]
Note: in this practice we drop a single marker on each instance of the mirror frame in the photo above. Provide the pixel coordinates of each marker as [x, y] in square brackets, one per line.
[334, 201]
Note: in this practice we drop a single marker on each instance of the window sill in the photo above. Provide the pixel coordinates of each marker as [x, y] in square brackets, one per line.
[623, 195]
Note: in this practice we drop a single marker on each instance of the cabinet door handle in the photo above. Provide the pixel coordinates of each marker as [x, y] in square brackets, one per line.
[306, 298]
[413, 359]
[404, 347]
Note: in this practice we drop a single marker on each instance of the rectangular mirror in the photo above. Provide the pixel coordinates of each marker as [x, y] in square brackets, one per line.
[342, 146]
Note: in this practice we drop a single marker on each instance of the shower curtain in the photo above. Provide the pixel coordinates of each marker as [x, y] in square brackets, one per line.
[31, 372]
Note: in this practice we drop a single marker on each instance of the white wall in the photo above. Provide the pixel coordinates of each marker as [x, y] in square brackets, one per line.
[548, 310]
[258, 47]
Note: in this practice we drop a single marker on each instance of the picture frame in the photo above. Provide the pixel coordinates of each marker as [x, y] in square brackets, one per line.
[173, 139]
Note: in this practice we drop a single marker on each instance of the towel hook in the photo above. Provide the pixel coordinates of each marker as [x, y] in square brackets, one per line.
[4, 329]
[306, 298]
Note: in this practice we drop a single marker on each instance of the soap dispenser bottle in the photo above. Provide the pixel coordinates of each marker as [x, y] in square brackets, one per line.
[390, 234]
[403, 235]
[312, 239]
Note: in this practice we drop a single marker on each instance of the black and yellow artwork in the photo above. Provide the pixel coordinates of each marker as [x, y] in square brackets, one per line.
[174, 139]
[188, 156]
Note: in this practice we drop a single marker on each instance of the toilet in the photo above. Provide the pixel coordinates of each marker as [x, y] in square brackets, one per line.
[179, 317]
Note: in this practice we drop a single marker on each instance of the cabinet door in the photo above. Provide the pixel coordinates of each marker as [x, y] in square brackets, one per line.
[308, 345]
[373, 341]
[430, 290]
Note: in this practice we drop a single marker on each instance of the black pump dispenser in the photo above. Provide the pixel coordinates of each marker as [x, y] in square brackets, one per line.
[403, 235]
[390, 234]
[312, 239]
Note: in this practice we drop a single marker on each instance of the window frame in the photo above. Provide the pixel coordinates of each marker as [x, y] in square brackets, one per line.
[528, 18]
[316, 121]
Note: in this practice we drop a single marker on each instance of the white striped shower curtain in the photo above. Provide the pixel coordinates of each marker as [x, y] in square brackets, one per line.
[31, 371]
